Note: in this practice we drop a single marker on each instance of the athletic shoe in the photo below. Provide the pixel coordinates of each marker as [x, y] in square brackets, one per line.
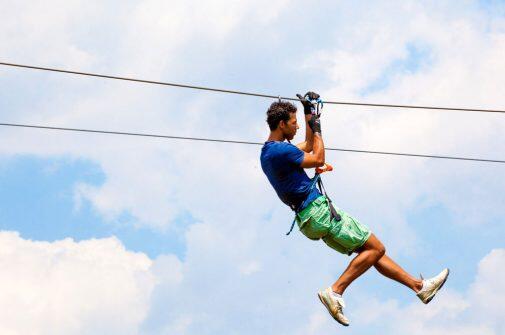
[334, 305]
[432, 285]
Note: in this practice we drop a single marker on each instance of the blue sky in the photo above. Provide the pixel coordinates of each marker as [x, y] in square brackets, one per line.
[185, 227]
[37, 198]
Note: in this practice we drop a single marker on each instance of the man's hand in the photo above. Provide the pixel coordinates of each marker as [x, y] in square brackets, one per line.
[315, 124]
[307, 105]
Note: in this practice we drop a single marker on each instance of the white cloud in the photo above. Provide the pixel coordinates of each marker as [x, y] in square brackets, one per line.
[179, 326]
[67, 287]
[317, 322]
[487, 294]
[249, 268]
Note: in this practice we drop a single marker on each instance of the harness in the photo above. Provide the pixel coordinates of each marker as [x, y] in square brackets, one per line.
[317, 182]
[316, 108]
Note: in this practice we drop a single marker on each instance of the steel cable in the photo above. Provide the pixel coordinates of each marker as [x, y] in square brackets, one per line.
[248, 93]
[241, 142]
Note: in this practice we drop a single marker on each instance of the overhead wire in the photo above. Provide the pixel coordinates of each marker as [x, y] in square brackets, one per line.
[440, 108]
[240, 142]
[241, 93]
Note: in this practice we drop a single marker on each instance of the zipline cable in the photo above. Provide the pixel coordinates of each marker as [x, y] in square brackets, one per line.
[248, 93]
[240, 142]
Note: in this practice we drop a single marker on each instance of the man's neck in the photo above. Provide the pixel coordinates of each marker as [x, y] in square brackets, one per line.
[276, 136]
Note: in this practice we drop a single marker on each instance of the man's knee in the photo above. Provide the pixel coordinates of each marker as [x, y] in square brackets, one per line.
[381, 249]
[374, 244]
[378, 247]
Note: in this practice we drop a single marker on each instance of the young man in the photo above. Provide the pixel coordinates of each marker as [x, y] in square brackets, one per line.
[284, 165]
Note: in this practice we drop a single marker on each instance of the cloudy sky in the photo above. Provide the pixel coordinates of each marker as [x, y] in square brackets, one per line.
[104, 234]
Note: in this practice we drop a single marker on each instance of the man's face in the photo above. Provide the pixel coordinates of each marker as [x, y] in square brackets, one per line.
[290, 127]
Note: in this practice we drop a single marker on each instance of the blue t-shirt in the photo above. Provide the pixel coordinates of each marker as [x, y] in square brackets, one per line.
[281, 162]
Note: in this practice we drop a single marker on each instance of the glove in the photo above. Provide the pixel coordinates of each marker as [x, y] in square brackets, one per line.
[315, 124]
[307, 106]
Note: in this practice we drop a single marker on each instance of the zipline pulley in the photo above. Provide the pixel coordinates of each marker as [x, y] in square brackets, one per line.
[316, 104]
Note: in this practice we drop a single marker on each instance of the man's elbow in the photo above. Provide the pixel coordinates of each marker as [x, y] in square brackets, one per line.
[320, 162]
[308, 150]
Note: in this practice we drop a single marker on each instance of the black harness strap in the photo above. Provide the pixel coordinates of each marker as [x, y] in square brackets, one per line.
[333, 211]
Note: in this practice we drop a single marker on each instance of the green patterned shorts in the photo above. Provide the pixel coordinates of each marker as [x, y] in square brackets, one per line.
[345, 236]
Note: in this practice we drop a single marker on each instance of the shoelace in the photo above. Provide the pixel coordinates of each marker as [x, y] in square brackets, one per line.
[427, 281]
[340, 301]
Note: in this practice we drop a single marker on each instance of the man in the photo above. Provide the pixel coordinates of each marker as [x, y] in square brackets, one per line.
[284, 165]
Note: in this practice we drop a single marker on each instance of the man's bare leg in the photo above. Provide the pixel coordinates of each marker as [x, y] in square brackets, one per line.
[368, 255]
[387, 267]
[373, 253]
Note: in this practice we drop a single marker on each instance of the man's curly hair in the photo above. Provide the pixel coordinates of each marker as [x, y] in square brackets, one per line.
[279, 111]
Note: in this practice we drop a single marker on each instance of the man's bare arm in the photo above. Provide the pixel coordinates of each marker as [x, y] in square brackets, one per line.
[316, 159]
[308, 144]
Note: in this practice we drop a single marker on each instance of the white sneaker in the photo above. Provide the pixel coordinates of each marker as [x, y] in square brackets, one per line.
[334, 305]
[432, 285]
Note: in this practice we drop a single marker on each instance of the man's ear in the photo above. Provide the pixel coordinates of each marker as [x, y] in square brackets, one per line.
[282, 123]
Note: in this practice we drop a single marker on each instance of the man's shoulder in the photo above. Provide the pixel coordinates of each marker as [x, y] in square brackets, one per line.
[281, 153]
[278, 145]
[277, 150]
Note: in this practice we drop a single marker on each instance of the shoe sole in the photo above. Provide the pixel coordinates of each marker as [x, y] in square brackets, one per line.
[329, 310]
[438, 288]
